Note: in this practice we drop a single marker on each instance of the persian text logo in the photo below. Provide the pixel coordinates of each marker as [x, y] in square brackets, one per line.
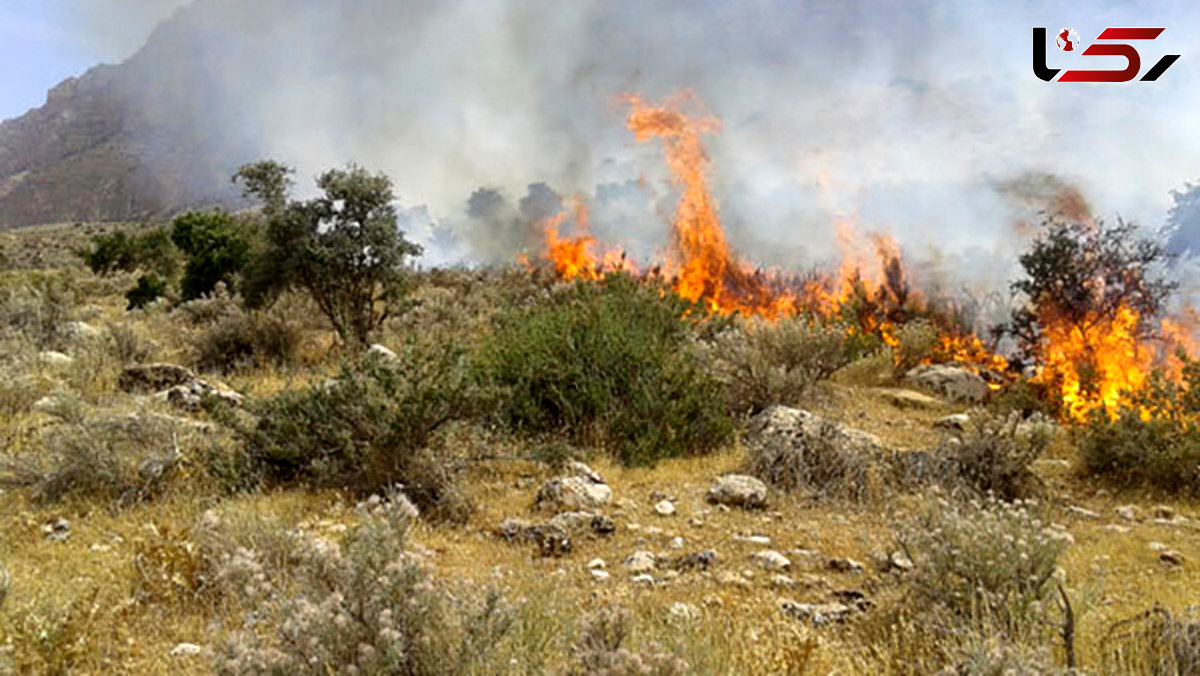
[1068, 41]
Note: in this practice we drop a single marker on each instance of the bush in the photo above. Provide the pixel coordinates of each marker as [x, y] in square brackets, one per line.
[601, 649]
[607, 364]
[217, 250]
[1154, 441]
[1156, 642]
[149, 289]
[915, 342]
[119, 460]
[367, 608]
[985, 564]
[761, 363]
[38, 307]
[239, 337]
[151, 252]
[369, 428]
[996, 457]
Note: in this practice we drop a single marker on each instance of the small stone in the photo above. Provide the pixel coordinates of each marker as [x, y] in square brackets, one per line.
[754, 539]
[845, 565]
[769, 559]
[57, 530]
[665, 508]
[817, 613]
[1165, 512]
[1157, 547]
[695, 561]
[100, 548]
[676, 542]
[382, 354]
[640, 562]
[1082, 512]
[732, 579]
[599, 575]
[1171, 557]
[186, 650]
[596, 564]
[642, 579]
[52, 358]
[898, 562]
[1117, 528]
[958, 421]
[780, 581]
[1127, 512]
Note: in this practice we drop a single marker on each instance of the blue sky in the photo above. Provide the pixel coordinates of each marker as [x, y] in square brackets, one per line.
[43, 42]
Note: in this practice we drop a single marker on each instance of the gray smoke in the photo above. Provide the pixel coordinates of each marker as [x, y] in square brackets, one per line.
[919, 119]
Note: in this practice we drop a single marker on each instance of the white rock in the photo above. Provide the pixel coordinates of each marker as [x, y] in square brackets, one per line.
[642, 579]
[769, 559]
[186, 650]
[738, 490]
[1082, 512]
[955, 383]
[52, 358]
[665, 508]
[382, 354]
[676, 542]
[599, 574]
[640, 562]
[573, 493]
[596, 564]
[1127, 512]
[754, 539]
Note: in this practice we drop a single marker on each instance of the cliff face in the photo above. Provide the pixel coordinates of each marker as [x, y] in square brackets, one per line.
[131, 140]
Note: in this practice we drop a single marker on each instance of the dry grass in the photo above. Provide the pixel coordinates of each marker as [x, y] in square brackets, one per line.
[1112, 570]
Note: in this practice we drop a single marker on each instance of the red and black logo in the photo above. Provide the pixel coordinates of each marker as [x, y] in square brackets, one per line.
[1068, 41]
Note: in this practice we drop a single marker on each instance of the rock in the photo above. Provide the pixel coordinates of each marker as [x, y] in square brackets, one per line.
[957, 421]
[738, 490]
[599, 575]
[191, 396]
[896, 562]
[576, 468]
[147, 378]
[573, 521]
[573, 493]
[1164, 512]
[381, 354]
[781, 581]
[1082, 512]
[57, 359]
[791, 448]
[551, 541]
[513, 529]
[676, 543]
[1117, 528]
[769, 559]
[81, 331]
[596, 564]
[817, 613]
[695, 561]
[186, 650]
[1171, 557]
[1157, 547]
[1127, 512]
[640, 562]
[642, 579]
[57, 530]
[754, 539]
[683, 612]
[845, 565]
[902, 398]
[665, 508]
[732, 579]
[954, 383]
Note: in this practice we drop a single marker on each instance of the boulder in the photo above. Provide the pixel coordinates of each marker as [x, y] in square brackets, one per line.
[573, 493]
[640, 562]
[738, 490]
[954, 383]
[190, 396]
[769, 559]
[903, 398]
[793, 449]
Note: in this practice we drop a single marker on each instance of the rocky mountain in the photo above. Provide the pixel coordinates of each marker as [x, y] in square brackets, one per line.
[126, 141]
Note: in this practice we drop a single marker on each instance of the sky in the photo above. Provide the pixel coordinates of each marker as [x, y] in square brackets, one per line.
[43, 42]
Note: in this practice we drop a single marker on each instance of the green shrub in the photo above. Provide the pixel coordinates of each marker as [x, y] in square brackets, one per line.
[369, 428]
[1153, 442]
[150, 252]
[607, 364]
[761, 363]
[217, 250]
[915, 341]
[149, 288]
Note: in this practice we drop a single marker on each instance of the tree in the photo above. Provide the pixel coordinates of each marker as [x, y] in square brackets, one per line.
[344, 247]
[1083, 274]
[151, 252]
[216, 251]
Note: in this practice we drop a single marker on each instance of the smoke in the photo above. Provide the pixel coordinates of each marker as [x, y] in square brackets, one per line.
[919, 119]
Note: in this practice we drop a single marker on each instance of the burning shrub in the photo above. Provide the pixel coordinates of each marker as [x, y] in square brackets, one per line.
[607, 364]
[1093, 295]
[1155, 439]
[369, 428]
[761, 363]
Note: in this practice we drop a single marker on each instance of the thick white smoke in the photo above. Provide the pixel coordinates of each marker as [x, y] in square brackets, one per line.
[905, 116]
